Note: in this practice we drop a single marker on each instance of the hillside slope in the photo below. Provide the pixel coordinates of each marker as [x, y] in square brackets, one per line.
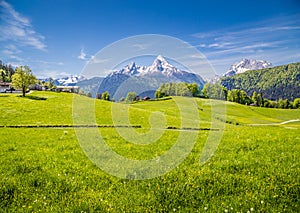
[281, 82]
[15, 110]
[255, 168]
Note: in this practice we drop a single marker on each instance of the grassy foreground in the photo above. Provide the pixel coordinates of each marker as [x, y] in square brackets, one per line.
[255, 168]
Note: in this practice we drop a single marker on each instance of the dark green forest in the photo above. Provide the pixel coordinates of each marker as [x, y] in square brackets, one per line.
[281, 82]
[6, 72]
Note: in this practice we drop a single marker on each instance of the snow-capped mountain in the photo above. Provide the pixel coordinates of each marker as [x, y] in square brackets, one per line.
[160, 66]
[69, 80]
[130, 70]
[245, 65]
[141, 79]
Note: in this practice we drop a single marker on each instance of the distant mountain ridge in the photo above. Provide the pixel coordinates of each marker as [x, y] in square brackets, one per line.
[245, 65]
[70, 80]
[145, 79]
[280, 82]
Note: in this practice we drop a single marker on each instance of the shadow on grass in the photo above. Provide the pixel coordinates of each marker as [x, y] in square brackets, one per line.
[32, 97]
[1, 96]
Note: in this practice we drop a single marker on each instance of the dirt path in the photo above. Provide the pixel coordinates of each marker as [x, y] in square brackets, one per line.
[275, 124]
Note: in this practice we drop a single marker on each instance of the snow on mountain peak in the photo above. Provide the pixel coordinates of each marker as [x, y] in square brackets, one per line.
[245, 65]
[160, 64]
[161, 59]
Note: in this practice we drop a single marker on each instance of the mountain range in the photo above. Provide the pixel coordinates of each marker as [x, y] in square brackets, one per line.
[160, 64]
[144, 80]
[249, 75]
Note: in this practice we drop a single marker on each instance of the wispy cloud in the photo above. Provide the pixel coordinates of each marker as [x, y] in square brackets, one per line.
[18, 29]
[82, 55]
[140, 46]
[276, 40]
[97, 60]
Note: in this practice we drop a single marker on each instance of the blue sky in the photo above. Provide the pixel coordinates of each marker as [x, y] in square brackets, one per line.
[58, 37]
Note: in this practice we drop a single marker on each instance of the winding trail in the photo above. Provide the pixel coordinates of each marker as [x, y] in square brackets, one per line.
[275, 124]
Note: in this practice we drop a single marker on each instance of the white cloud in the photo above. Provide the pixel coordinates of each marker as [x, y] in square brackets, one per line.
[82, 55]
[276, 40]
[244, 49]
[97, 60]
[18, 29]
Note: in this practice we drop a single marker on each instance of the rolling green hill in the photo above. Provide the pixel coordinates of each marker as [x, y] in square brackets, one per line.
[255, 167]
[281, 82]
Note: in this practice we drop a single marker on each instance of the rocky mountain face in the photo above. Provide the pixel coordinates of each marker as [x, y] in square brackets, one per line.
[144, 80]
[245, 65]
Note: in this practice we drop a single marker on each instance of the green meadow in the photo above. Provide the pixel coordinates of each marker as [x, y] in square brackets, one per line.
[44, 168]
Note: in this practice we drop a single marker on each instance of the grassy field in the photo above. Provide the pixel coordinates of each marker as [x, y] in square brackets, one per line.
[255, 168]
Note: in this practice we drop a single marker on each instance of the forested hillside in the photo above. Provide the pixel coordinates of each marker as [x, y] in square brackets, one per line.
[281, 82]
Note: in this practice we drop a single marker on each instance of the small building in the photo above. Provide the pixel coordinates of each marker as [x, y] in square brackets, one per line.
[5, 86]
[37, 87]
[72, 89]
[146, 98]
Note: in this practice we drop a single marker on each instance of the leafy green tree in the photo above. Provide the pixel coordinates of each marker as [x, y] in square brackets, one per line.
[51, 83]
[254, 98]
[194, 89]
[131, 96]
[6, 72]
[23, 78]
[106, 96]
[238, 96]
[159, 94]
[296, 104]
[215, 91]
[260, 100]
[2, 75]
[284, 104]
[182, 89]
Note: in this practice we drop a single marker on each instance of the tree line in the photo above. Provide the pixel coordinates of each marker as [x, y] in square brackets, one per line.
[131, 97]
[217, 91]
[178, 89]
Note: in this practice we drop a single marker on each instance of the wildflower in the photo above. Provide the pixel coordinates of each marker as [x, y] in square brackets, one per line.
[205, 208]
[252, 209]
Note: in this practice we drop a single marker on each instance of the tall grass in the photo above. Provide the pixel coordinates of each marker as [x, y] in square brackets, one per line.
[255, 168]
